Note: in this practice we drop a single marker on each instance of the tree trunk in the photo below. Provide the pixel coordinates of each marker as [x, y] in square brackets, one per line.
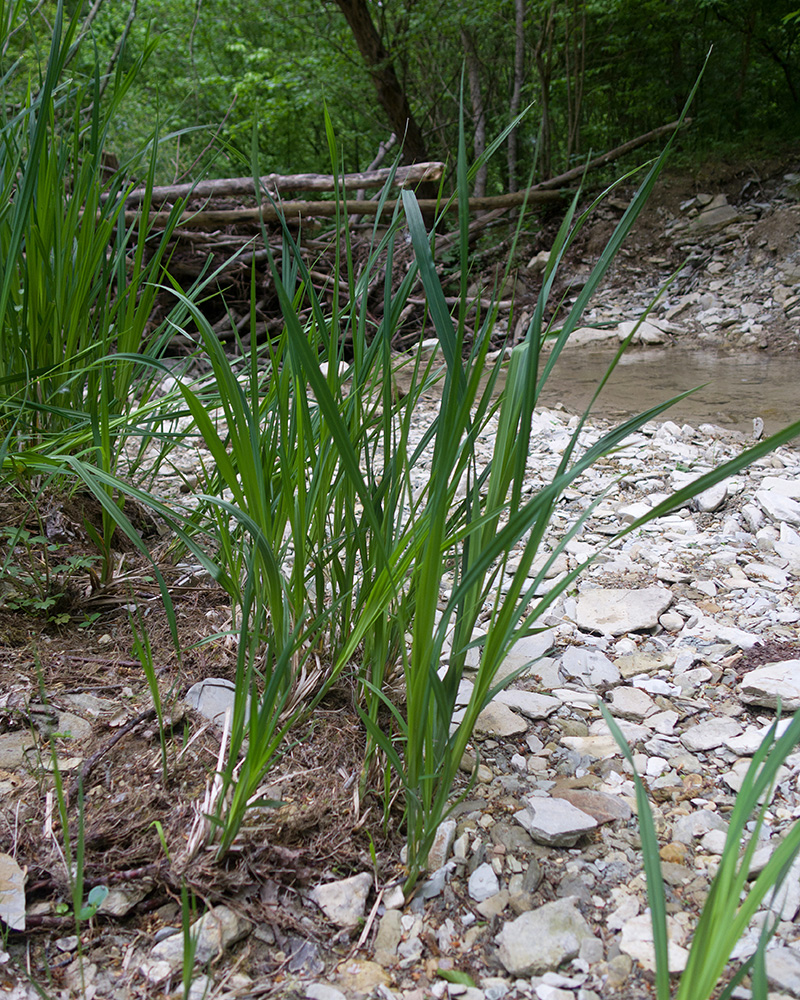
[391, 95]
[516, 93]
[575, 71]
[543, 53]
[478, 112]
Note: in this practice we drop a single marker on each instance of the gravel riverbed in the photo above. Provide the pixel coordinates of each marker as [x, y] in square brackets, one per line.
[688, 630]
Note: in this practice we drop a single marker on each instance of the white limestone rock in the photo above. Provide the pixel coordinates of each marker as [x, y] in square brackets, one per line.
[215, 931]
[534, 706]
[710, 733]
[343, 902]
[768, 684]
[614, 611]
[442, 845]
[212, 698]
[498, 720]
[590, 666]
[636, 940]
[779, 507]
[555, 822]
[483, 883]
[631, 703]
[542, 939]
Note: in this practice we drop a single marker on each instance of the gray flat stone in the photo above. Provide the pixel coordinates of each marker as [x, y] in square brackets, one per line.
[13, 747]
[783, 968]
[343, 902]
[554, 821]
[687, 829]
[212, 697]
[709, 734]
[483, 883]
[499, 720]
[72, 725]
[588, 665]
[530, 704]
[542, 939]
[765, 685]
[714, 219]
[612, 611]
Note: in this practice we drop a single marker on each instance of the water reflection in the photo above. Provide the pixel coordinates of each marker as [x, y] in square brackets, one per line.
[736, 387]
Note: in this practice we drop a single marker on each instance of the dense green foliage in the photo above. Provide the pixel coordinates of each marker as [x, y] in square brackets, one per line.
[594, 72]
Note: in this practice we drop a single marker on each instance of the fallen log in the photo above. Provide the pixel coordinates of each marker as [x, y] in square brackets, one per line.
[277, 183]
[609, 157]
[326, 209]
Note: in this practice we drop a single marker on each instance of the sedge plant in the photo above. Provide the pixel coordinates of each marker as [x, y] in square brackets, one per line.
[316, 455]
[474, 536]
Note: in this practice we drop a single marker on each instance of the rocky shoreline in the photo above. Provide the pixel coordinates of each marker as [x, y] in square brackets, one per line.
[688, 630]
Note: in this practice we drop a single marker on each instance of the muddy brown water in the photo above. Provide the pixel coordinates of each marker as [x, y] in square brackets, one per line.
[735, 387]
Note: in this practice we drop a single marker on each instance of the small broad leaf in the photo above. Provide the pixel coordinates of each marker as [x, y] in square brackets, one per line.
[94, 902]
[454, 976]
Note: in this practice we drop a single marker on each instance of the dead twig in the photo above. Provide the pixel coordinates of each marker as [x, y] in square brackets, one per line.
[90, 762]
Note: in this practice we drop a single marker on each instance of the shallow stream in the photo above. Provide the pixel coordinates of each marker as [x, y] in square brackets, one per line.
[736, 387]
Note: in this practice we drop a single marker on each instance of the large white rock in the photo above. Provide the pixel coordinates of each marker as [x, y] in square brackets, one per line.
[712, 499]
[535, 706]
[483, 883]
[786, 902]
[212, 698]
[783, 968]
[554, 821]
[613, 611]
[710, 733]
[779, 507]
[766, 685]
[525, 652]
[442, 844]
[637, 941]
[543, 938]
[631, 703]
[498, 720]
[12, 893]
[588, 665]
[647, 333]
[343, 902]
[214, 932]
[783, 487]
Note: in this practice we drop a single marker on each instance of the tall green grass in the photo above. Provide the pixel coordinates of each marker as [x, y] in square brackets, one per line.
[325, 514]
[315, 465]
[77, 283]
